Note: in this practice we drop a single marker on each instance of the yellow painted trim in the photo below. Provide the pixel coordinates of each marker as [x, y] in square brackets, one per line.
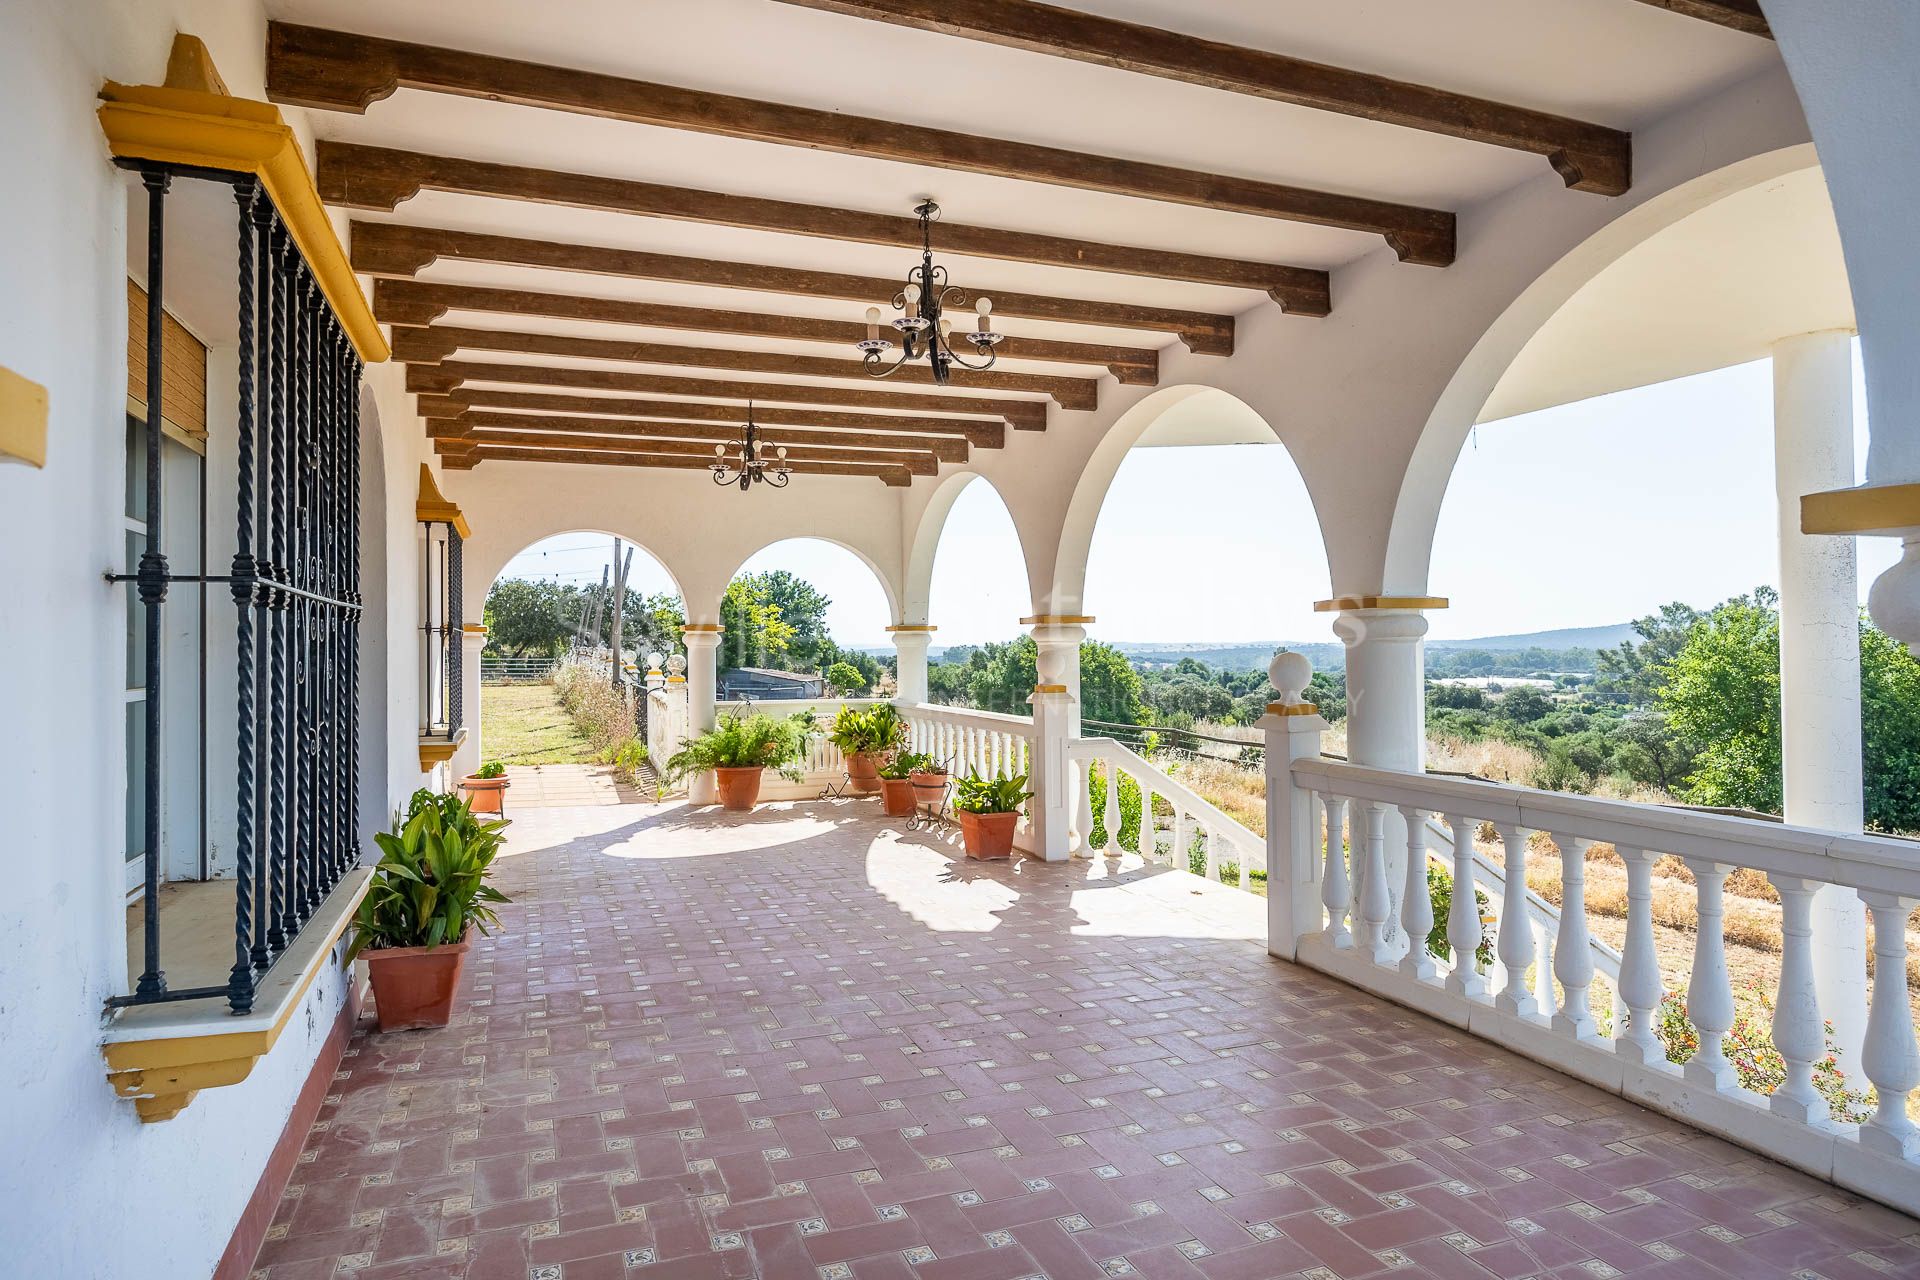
[1341, 604]
[676, 679]
[190, 66]
[432, 506]
[214, 131]
[23, 420]
[163, 1073]
[1882, 509]
[1057, 620]
[703, 628]
[1292, 709]
[439, 750]
[912, 626]
[474, 628]
[1049, 688]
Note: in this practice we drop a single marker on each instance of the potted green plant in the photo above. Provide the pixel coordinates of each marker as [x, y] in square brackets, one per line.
[929, 779]
[738, 750]
[896, 782]
[486, 788]
[989, 808]
[428, 890]
[867, 736]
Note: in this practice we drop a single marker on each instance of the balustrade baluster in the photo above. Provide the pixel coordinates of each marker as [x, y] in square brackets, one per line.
[1212, 846]
[1710, 992]
[1573, 949]
[1112, 817]
[1335, 888]
[1890, 1059]
[1083, 818]
[1416, 900]
[1149, 839]
[1545, 1001]
[1515, 942]
[1640, 986]
[1182, 843]
[1375, 902]
[1463, 914]
[1798, 1032]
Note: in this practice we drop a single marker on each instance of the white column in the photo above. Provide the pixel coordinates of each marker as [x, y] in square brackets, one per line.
[1386, 709]
[1820, 653]
[702, 640]
[1292, 726]
[1056, 722]
[467, 756]
[910, 643]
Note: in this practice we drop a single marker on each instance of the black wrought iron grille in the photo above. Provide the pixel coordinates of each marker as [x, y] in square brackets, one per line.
[295, 584]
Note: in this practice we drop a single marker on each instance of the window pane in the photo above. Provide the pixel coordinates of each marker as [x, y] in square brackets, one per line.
[136, 779]
[136, 616]
[136, 468]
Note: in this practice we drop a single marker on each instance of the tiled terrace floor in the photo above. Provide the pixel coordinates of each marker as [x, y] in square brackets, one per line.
[800, 1044]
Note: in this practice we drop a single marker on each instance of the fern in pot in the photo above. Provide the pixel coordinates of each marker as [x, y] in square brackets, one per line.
[738, 750]
[428, 892]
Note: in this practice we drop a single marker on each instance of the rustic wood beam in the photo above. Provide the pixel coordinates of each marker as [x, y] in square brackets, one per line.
[431, 345]
[360, 177]
[337, 70]
[471, 424]
[895, 477]
[413, 302]
[977, 432]
[920, 464]
[1588, 157]
[1022, 415]
[1739, 15]
[398, 251]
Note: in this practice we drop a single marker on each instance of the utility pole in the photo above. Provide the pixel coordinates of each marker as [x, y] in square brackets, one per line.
[620, 567]
[599, 599]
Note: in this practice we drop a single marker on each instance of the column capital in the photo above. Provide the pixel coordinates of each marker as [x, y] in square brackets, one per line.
[911, 628]
[701, 637]
[1349, 604]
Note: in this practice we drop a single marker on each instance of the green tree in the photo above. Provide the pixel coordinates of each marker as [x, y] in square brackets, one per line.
[1633, 673]
[1721, 691]
[528, 618]
[845, 678]
[803, 608]
[756, 635]
[1890, 721]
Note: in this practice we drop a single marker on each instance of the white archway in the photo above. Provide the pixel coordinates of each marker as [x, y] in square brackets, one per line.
[925, 549]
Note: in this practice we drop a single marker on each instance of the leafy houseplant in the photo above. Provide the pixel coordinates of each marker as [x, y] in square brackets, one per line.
[737, 750]
[486, 788]
[866, 736]
[989, 808]
[427, 891]
[896, 782]
[929, 778]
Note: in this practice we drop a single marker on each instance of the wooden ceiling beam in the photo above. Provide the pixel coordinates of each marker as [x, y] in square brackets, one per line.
[361, 177]
[895, 477]
[337, 70]
[414, 302]
[461, 426]
[1022, 415]
[398, 251]
[978, 432]
[1737, 15]
[434, 344]
[920, 464]
[1588, 157]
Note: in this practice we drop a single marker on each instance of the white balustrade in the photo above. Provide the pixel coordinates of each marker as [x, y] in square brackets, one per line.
[1641, 990]
[965, 741]
[1223, 841]
[1514, 944]
[1572, 961]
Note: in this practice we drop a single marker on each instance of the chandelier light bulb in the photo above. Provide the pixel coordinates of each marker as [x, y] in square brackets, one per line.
[781, 453]
[720, 451]
[983, 308]
[946, 325]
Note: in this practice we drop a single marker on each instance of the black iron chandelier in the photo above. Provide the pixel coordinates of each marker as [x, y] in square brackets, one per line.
[925, 331]
[754, 465]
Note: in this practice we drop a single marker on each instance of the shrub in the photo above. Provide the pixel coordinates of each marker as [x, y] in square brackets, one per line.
[602, 713]
[430, 884]
[741, 742]
[867, 729]
[1749, 1047]
[845, 678]
[1440, 889]
[627, 758]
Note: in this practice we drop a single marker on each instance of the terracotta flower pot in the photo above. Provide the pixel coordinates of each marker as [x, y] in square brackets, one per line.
[414, 986]
[929, 788]
[863, 769]
[988, 835]
[739, 787]
[486, 795]
[896, 797]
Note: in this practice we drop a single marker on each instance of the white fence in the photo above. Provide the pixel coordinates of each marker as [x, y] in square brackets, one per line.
[1191, 818]
[1342, 914]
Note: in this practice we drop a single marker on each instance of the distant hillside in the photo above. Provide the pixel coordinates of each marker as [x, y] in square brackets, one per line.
[1564, 638]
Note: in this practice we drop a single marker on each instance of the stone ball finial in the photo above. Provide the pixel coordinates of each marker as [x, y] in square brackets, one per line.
[654, 659]
[1290, 672]
[677, 664]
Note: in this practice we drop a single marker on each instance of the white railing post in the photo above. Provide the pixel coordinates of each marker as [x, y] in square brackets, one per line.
[1572, 952]
[1112, 817]
[1710, 990]
[1463, 914]
[1515, 943]
[1640, 986]
[1292, 727]
[1890, 1059]
[1375, 902]
[1416, 900]
[1798, 1032]
[1149, 834]
[1081, 776]
[1335, 889]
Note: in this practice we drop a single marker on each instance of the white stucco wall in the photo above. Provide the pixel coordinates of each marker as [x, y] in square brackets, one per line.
[77, 1156]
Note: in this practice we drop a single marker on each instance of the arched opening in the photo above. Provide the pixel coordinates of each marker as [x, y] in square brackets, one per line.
[972, 574]
[805, 618]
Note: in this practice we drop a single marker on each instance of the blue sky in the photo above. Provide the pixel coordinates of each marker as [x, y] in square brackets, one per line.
[1583, 515]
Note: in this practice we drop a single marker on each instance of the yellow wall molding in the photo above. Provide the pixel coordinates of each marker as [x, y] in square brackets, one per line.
[1883, 509]
[432, 506]
[162, 1055]
[23, 420]
[1058, 620]
[474, 629]
[912, 626]
[1341, 604]
[205, 127]
[703, 628]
